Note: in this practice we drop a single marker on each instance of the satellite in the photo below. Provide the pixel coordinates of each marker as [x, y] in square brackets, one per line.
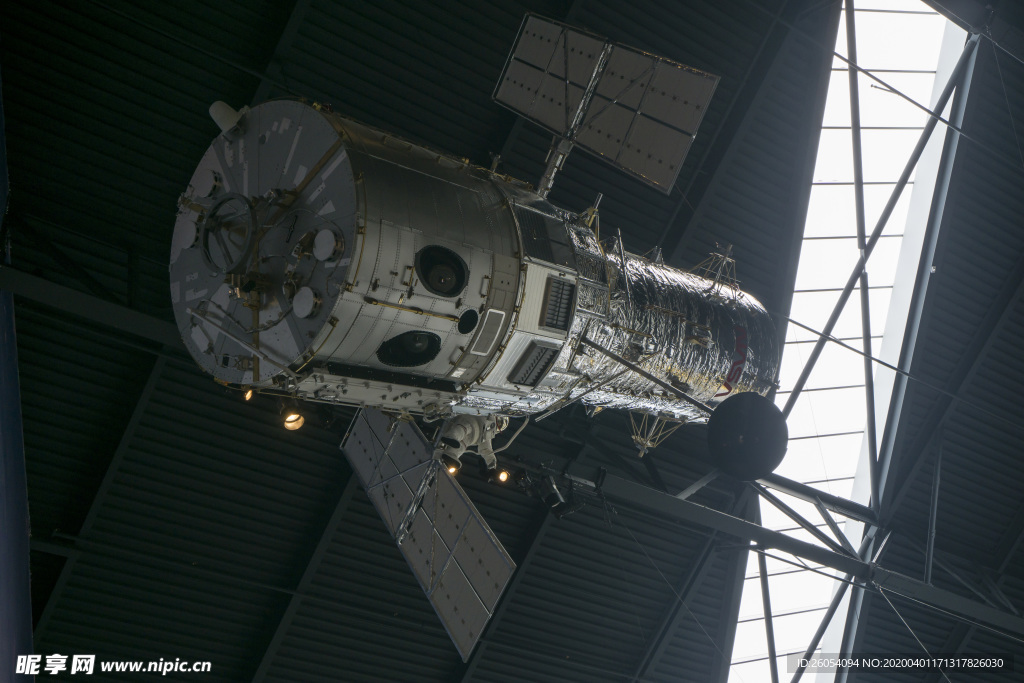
[317, 259]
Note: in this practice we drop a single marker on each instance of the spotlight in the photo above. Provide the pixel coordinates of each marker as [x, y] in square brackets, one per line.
[248, 393]
[451, 464]
[503, 476]
[292, 418]
[293, 421]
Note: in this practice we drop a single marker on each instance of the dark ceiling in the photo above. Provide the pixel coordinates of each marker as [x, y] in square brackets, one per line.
[169, 519]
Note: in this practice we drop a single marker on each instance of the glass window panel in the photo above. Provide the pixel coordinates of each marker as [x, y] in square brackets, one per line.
[795, 592]
[893, 44]
[793, 632]
[773, 518]
[750, 672]
[830, 457]
[836, 367]
[875, 199]
[915, 6]
[750, 601]
[837, 105]
[775, 568]
[827, 412]
[883, 40]
[884, 155]
[878, 106]
[813, 309]
[750, 643]
[831, 211]
[827, 264]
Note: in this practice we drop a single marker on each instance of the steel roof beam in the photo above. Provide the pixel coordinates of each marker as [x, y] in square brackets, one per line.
[999, 312]
[961, 635]
[746, 93]
[273, 70]
[310, 570]
[766, 606]
[81, 305]
[141, 405]
[687, 587]
[506, 599]
[837, 504]
[668, 507]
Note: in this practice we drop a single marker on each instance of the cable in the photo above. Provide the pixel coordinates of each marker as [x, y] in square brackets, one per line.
[882, 592]
[945, 392]
[679, 598]
[1006, 98]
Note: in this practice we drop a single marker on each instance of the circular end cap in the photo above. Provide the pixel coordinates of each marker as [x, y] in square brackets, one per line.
[747, 436]
[306, 303]
[327, 245]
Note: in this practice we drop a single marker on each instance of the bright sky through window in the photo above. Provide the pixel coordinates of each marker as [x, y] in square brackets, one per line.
[900, 41]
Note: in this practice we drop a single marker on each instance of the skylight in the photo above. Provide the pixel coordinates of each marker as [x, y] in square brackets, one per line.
[902, 42]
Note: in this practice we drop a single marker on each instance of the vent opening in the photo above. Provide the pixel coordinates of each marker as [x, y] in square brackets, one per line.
[558, 300]
[489, 332]
[534, 364]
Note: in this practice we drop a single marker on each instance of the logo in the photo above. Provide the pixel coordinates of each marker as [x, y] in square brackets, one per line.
[739, 359]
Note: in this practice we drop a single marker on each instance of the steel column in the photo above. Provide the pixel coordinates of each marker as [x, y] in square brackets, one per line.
[766, 605]
[924, 269]
[854, 279]
[830, 612]
[865, 304]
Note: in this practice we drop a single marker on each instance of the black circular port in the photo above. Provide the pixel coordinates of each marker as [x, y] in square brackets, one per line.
[408, 349]
[468, 321]
[441, 270]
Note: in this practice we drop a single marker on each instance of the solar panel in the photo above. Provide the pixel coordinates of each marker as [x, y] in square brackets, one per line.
[534, 82]
[638, 111]
[458, 561]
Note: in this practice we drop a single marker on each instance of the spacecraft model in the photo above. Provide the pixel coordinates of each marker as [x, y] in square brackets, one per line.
[320, 259]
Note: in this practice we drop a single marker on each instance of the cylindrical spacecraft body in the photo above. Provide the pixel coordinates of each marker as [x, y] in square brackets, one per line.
[320, 258]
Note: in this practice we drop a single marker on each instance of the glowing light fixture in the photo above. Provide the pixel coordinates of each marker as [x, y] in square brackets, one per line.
[248, 393]
[503, 476]
[451, 464]
[292, 418]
